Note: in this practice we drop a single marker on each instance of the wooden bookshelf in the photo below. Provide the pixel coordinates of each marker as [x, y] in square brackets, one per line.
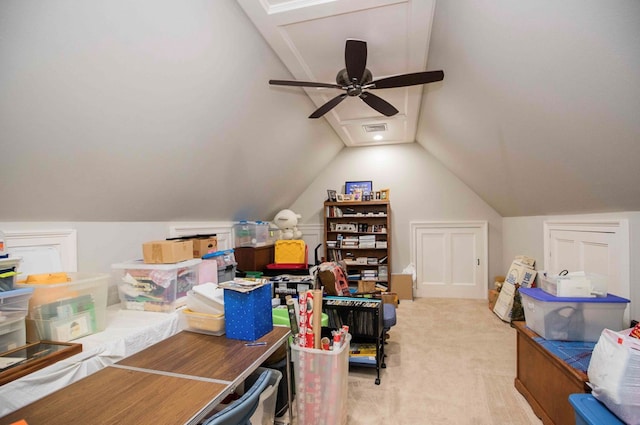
[359, 233]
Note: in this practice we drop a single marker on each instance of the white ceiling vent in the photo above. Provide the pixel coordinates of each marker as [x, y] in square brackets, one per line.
[372, 128]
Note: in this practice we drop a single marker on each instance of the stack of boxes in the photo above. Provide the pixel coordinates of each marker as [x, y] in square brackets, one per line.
[14, 305]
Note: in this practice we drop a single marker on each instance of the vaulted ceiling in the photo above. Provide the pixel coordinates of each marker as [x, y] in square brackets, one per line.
[129, 110]
[539, 111]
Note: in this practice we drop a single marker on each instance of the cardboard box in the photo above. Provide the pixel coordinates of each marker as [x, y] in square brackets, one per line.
[402, 284]
[366, 286]
[504, 304]
[390, 298]
[493, 297]
[521, 275]
[202, 246]
[167, 252]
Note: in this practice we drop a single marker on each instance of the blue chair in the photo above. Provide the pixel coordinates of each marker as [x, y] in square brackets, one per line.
[388, 316]
[240, 411]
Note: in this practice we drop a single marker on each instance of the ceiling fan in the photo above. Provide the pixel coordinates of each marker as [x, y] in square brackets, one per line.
[356, 80]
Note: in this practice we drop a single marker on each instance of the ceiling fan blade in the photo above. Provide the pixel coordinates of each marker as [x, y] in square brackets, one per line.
[379, 104]
[407, 80]
[303, 84]
[328, 106]
[355, 58]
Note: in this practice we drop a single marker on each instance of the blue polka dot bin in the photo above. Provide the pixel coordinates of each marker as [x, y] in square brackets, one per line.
[248, 314]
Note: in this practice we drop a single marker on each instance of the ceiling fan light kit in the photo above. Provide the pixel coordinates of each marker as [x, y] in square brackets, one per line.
[356, 80]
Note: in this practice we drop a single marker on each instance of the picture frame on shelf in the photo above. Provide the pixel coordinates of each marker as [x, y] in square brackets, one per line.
[339, 197]
[331, 196]
[357, 195]
[377, 195]
[366, 196]
[384, 194]
[353, 186]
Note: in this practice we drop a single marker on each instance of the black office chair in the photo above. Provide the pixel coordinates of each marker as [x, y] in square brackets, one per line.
[240, 411]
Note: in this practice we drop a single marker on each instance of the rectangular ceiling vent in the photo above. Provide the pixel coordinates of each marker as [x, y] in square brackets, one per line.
[372, 128]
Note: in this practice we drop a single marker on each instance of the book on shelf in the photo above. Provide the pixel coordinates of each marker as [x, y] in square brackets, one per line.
[357, 349]
[334, 212]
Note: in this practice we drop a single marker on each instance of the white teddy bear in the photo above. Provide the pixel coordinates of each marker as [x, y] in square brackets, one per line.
[287, 220]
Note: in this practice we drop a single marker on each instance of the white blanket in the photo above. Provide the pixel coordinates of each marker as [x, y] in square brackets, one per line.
[126, 333]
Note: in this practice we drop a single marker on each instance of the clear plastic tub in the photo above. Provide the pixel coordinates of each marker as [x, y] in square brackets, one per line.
[251, 233]
[206, 298]
[155, 287]
[69, 310]
[321, 379]
[210, 324]
[571, 319]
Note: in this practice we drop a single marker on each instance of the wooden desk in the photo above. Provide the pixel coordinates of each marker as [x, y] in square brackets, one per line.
[199, 355]
[545, 380]
[120, 396]
[176, 381]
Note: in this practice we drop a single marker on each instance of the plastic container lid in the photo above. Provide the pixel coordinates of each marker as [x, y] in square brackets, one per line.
[217, 254]
[591, 411]
[540, 295]
[16, 292]
[141, 265]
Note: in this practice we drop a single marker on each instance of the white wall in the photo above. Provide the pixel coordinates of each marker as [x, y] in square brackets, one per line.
[420, 189]
[524, 235]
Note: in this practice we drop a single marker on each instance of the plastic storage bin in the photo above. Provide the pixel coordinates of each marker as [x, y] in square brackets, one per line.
[69, 310]
[8, 271]
[155, 287]
[206, 298]
[590, 411]
[265, 413]
[321, 379]
[226, 265]
[14, 304]
[210, 324]
[571, 319]
[251, 233]
[290, 252]
[13, 334]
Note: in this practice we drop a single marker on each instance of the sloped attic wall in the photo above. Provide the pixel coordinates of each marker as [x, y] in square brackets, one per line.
[421, 189]
[126, 111]
[538, 112]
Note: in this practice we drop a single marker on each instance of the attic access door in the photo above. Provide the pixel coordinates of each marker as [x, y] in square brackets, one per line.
[450, 259]
[598, 247]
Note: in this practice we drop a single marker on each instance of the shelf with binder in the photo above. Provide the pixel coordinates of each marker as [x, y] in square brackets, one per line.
[359, 233]
[364, 318]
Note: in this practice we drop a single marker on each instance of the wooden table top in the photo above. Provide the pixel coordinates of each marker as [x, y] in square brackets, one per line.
[205, 356]
[175, 381]
[120, 396]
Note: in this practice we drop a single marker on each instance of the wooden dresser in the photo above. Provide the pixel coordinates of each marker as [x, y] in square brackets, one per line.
[254, 258]
[545, 380]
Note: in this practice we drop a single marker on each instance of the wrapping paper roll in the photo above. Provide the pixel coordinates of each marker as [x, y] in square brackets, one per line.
[302, 336]
[293, 318]
[316, 321]
[310, 307]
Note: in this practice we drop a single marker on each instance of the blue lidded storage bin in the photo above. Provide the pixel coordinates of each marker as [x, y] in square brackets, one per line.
[248, 315]
[571, 319]
[590, 411]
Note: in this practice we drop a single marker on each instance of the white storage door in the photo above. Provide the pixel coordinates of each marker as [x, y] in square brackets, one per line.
[601, 248]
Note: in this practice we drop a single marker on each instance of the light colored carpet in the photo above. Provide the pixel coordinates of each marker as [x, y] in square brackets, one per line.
[449, 361]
